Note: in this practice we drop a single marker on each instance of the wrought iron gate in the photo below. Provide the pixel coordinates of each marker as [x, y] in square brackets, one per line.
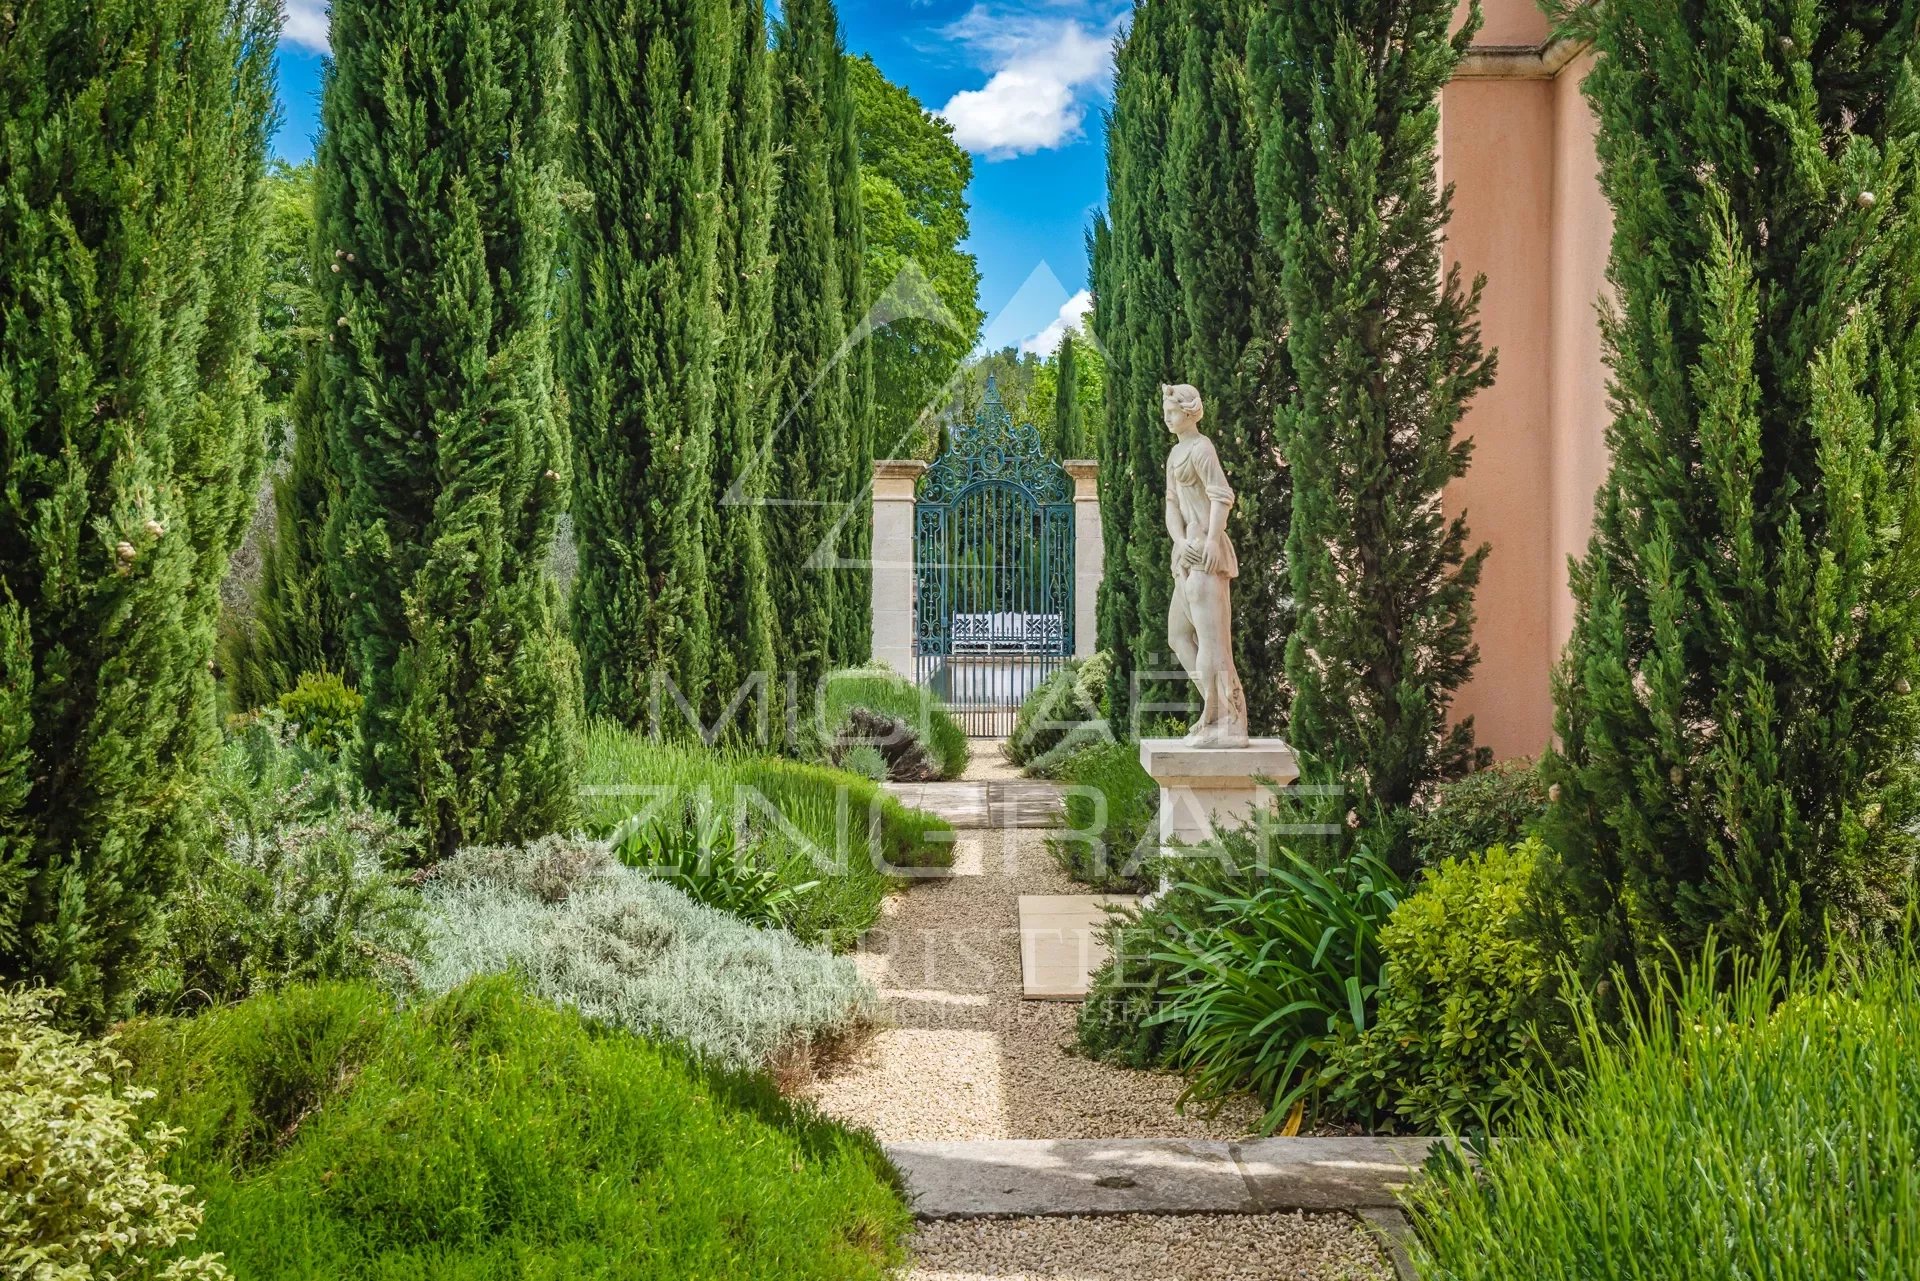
[993, 556]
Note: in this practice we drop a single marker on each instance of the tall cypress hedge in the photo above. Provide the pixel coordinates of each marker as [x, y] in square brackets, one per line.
[445, 121]
[1737, 709]
[131, 159]
[1069, 419]
[644, 328]
[853, 625]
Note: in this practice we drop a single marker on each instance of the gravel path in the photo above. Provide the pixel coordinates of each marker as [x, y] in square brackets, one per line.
[965, 1057]
[1264, 1247]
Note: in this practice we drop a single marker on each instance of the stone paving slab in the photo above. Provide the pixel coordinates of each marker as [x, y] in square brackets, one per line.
[1070, 1176]
[997, 804]
[1062, 942]
[964, 805]
[1329, 1173]
[1039, 1177]
[1026, 803]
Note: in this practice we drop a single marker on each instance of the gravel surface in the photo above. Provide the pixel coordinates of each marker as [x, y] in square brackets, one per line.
[965, 1057]
[1132, 1247]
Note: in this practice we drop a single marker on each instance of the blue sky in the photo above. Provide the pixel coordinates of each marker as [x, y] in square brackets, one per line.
[1024, 85]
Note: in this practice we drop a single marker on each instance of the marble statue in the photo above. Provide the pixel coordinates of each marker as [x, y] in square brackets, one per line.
[1200, 619]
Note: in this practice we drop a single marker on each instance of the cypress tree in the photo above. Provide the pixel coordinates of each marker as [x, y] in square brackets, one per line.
[131, 435]
[294, 623]
[748, 376]
[644, 324]
[852, 516]
[1069, 421]
[1385, 353]
[1737, 710]
[442, 209]
[1229, 289]
[1139, 319]
[814, 437]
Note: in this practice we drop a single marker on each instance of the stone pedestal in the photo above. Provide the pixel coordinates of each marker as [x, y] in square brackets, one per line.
[1205, 791]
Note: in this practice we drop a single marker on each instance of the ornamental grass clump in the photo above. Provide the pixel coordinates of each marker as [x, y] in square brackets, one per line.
[1112, 818]
[1744, 1121]
[488, 1136]
[1270, 975]
[83, 1188]
[632, 951]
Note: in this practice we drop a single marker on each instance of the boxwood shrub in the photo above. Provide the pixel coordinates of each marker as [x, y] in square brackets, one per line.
[1468, 1018]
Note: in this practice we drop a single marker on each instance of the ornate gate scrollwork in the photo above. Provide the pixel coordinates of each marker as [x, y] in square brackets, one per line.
[994, 546]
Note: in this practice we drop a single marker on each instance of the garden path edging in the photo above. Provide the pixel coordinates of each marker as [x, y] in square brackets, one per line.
[1050, 1177]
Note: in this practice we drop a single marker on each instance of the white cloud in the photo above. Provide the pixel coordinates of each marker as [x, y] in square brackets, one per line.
[1073, 315]
[1046, 71]
[306, 24]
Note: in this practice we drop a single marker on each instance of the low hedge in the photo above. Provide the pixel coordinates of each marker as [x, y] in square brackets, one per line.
[490, 1136]
[816, 823]
[1071, 695]
[877, 709]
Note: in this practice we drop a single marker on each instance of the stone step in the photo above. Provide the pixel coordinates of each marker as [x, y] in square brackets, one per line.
[1041, 1177]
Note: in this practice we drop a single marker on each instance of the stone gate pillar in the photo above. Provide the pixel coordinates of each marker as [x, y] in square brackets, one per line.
[1089, 555]
[893, 567]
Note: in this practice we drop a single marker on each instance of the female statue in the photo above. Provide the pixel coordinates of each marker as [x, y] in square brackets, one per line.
[1200, 619]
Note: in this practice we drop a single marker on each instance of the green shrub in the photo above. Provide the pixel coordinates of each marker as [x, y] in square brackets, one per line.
[1268, 980]
[875, 707]
[819, 824]
[1738, 1124]
[324, 708]
[82, 1194]
[487, 1136]
[866, 761]
[1112, 818]
[1498, 805]
[1058, 761]
[1467, 1017]
[582, 930]
[304, 885]
[1069, 696]
[1115, 1023]
[714, 857]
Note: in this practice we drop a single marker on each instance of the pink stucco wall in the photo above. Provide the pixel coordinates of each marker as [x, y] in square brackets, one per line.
[1517, 144]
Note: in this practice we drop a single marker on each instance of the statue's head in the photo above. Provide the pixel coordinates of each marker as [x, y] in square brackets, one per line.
[1181, 406]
